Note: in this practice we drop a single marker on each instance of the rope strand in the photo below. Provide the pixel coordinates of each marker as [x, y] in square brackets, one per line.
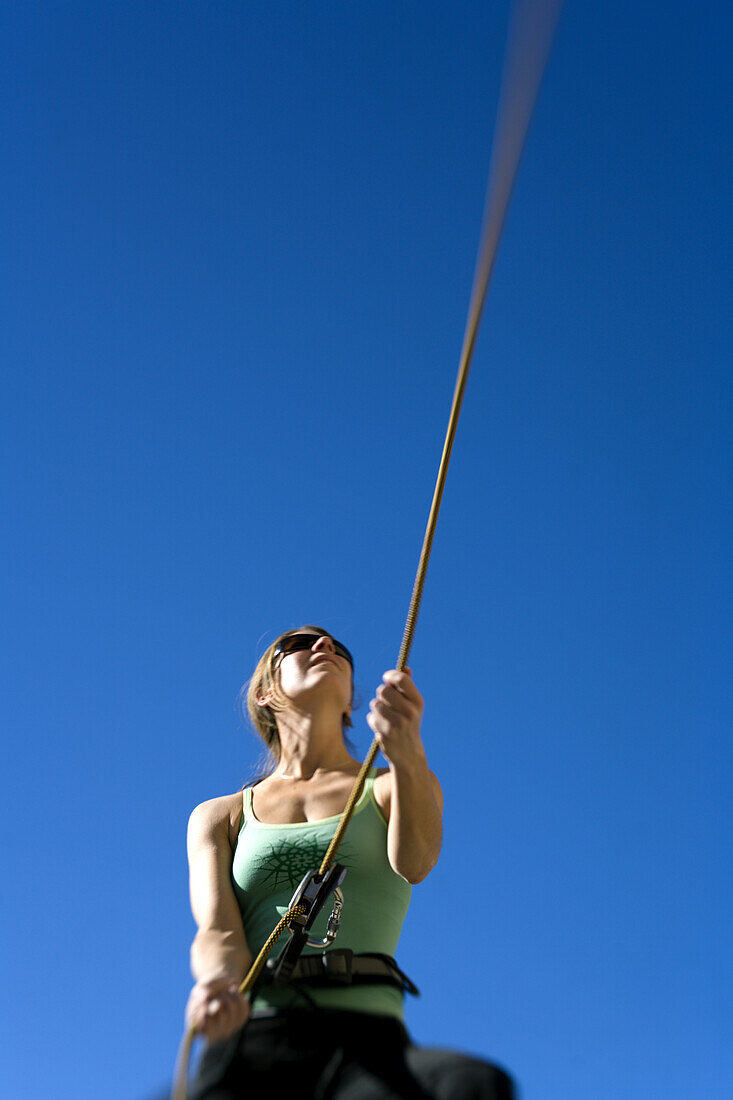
[530, 36]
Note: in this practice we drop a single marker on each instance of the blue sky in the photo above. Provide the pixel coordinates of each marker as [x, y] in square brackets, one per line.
[238, 249]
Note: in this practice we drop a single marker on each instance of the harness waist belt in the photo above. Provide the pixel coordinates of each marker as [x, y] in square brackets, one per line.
[342, 967]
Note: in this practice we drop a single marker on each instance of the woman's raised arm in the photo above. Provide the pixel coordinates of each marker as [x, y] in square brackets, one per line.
[409, 795]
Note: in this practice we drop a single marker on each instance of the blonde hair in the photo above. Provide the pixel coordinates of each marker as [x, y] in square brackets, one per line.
[264, 679]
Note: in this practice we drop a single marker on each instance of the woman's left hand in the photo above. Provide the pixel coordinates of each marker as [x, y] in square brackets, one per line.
[395, 716]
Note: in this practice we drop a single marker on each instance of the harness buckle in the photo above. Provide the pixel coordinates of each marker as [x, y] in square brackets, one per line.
[337, 965]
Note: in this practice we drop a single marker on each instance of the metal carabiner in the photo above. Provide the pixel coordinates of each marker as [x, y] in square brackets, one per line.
[334, 922]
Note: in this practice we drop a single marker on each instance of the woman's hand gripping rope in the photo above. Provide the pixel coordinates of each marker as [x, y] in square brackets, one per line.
[395, 716]
[216, 1008]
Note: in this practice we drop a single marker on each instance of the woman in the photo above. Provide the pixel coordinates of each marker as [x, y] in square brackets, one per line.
[248, 851]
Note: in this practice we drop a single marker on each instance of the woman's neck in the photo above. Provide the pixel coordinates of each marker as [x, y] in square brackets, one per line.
[310, 743]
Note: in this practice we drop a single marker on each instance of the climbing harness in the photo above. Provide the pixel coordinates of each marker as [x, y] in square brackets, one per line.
[531, 31]
[342, 966]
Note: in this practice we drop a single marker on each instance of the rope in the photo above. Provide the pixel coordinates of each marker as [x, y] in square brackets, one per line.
[530, 37]
[531, 30]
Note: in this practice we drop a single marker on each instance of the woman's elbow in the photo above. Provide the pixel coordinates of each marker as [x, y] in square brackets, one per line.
[415, 871]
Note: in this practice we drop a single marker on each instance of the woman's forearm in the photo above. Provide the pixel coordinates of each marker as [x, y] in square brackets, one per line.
[415, 828]
[220, 953]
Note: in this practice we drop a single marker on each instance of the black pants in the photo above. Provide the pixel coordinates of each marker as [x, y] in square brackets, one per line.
[340, 1056]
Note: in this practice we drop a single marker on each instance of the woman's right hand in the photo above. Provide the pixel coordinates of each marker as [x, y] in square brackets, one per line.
[215, 1009]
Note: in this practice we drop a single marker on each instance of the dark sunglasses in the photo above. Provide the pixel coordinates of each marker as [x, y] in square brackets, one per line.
[295, 642]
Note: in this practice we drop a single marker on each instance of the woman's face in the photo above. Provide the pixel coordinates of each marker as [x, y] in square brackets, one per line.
[316, 672]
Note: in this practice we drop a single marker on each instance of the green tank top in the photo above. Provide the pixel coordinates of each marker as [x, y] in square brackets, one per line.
[269, 863]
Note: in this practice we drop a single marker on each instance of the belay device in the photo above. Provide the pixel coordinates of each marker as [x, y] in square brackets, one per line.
[308, 900]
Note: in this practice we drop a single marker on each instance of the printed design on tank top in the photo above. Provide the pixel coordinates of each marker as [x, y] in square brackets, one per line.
[286, 862]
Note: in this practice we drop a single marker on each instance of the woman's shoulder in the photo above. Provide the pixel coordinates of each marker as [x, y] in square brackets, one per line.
[216, 816]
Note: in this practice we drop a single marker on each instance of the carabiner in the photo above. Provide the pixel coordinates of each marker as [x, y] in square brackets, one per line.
[334, 921]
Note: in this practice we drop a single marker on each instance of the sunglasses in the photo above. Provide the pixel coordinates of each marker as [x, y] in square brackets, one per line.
[295, 642]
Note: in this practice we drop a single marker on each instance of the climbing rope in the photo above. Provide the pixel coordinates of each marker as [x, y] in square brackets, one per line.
[530, 36]
[531, 30]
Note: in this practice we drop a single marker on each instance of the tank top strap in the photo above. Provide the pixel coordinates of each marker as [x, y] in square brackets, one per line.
[369, 781]
[247, 804]
[367, 794]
